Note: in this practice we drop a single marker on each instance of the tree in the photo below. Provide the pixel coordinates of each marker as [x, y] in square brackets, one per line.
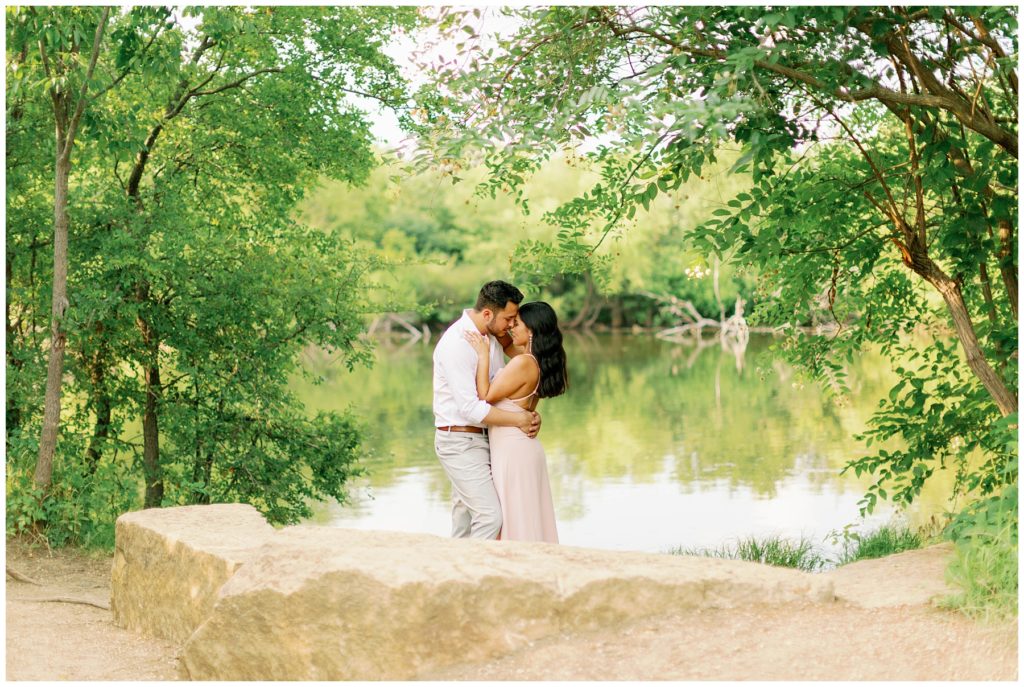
[193, 289]
[881, 143]
[60, 37]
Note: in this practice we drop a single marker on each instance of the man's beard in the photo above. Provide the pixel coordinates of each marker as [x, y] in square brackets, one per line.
[495, 332]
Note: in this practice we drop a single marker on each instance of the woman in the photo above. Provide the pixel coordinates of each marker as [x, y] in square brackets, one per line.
[518, 465]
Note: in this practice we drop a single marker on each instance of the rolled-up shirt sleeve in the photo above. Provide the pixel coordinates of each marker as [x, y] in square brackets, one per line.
[459, 366]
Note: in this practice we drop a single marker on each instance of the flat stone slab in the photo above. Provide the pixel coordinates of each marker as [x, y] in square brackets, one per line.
[319, 603]
[911, 578]
[170, 563]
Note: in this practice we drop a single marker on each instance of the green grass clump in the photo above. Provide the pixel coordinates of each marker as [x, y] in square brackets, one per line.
[771, 551]
[986, 571]
[885, 541]
[985, 564]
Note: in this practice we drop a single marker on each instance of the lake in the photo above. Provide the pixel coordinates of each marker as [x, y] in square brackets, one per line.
[655, 445]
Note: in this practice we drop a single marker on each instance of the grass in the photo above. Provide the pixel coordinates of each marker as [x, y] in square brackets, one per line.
[985, 569]
[885, 541]
[772, 551]
[803, 555]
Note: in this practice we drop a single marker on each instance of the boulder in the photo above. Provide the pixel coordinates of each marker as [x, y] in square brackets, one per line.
[319, 603]
[170, 563]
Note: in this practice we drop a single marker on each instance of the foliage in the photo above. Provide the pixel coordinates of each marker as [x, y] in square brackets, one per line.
[775, 551]
[437, 243]
[986, 563]
[881, 145]
[192, 290]
[944, 419]
[81, 506]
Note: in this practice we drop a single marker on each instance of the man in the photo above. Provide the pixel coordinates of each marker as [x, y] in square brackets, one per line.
[461, 418]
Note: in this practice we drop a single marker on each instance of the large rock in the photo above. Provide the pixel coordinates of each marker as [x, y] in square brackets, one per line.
[170, 563]
[330, 604]
[915, 577]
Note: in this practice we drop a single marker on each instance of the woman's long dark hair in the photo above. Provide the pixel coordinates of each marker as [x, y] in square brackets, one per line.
[541, 320]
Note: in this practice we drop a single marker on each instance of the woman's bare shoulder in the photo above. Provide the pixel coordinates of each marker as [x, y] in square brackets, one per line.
[524, 365]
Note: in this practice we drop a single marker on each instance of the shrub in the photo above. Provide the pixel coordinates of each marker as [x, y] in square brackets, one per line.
[985, 566]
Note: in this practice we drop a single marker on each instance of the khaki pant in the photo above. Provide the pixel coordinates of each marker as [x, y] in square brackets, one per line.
[466, 459]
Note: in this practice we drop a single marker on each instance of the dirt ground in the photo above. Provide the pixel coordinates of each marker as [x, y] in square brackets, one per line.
[863, 636]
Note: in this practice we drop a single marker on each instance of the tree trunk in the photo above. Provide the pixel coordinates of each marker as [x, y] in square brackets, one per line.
[101, 431]
[101, 402]
[986, 292]
[13, 411]
[58, 339]
[617, 312]
[1006, 264]
[1005, 399]
[202, 467]
[584, 312]
[150, 421]
[66, 129]
[151, 440]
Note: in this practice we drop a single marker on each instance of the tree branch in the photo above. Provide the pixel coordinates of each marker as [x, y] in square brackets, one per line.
[127, 69]
[946, 98]
[915, 173]
[938, 96]
[622, 206]
[234, 84]
[894, 213]
[80, 108]
[59, 114]
[993, 45]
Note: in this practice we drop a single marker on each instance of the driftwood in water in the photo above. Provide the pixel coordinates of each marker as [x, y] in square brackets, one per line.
[387, 323]
[734, 327]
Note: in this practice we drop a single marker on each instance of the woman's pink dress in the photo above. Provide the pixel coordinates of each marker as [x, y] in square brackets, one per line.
[520, 471]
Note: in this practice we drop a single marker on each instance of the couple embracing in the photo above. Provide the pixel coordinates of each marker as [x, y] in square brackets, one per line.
[485, 415]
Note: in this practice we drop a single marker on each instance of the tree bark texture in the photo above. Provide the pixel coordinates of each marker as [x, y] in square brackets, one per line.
[13, 411]
[986, 292]
[150, 418]
[1005, 399]
[58, 340]
[101, 402]
[151, 440]
[1007, 266]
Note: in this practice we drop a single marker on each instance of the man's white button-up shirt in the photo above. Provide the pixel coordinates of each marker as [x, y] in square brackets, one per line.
[455, 399]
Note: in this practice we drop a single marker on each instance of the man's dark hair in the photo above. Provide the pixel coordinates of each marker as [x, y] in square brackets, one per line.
[495, 295]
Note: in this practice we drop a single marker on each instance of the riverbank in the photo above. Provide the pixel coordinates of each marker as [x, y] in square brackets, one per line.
[876, 631]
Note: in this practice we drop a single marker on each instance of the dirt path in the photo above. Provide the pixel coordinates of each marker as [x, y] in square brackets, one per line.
[882, 628]
[62, 641]
[797, 642]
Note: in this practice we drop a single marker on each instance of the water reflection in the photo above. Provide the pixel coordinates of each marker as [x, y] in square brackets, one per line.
[655, 445]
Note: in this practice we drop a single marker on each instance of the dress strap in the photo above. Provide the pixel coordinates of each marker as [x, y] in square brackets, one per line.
[536, 388]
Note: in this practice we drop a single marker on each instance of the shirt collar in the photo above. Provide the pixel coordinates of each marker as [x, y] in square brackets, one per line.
[467, 322]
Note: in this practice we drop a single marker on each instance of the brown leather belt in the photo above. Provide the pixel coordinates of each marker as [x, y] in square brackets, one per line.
[469, 430]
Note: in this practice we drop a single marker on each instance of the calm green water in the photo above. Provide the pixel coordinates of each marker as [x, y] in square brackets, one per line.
[655, 445]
